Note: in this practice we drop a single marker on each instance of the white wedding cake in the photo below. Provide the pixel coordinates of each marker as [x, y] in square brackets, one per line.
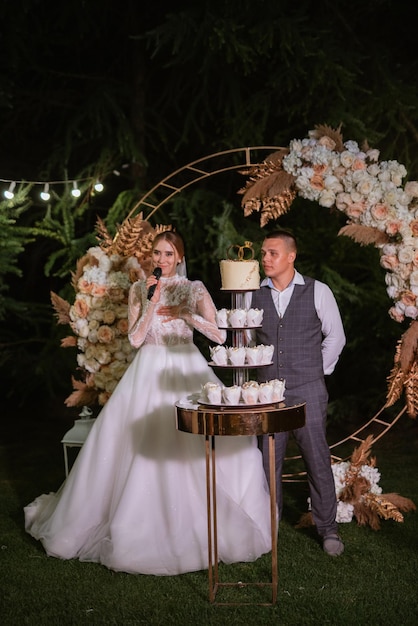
[240, 274]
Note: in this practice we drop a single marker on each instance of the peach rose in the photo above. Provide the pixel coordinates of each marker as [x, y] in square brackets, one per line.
[105, 334]
[317, 182]
[396, 315]
[116, 294]
[81, 308]
[389, 261]
[327, 142]
[393, 227]
[358, 164]
[122, 326]
[98, 290]
[84, 286]
[408, 298]
[379, 211]
[108, 316]
[414, 227]
[355, 209]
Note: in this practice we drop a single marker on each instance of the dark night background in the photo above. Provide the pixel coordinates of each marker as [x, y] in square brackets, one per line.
[128, 93]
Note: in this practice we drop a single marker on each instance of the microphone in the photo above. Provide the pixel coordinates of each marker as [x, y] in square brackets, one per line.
[157, 273]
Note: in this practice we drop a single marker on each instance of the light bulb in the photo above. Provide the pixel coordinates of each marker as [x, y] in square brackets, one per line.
[98, 186]
[9, 192]
[75, 190]
[45, 195]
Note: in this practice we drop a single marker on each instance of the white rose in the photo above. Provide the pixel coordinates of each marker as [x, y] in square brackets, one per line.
[373, 154]
[91, 365]
[92, 336]
[332, 183]
[352, 146]
[406, 254]
[393, 280]
[347, 159]
[326, 198]
[373, 169]
[81, 327]
[411, 188]
[411, 311]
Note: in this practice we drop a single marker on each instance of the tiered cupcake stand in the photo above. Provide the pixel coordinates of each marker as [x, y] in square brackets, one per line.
[244, 420]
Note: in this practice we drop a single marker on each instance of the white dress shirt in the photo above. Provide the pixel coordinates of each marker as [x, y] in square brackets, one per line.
[327, 310]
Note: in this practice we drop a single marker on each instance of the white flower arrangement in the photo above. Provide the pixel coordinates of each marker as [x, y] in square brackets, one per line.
[358, 492]
[345, 510]
[371, 194]
[98, 318]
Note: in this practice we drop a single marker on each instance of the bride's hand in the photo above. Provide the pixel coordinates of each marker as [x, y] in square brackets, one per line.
[173, 312]
[152, 280]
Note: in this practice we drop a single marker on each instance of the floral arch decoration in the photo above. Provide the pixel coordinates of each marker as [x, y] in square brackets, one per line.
[380, 209]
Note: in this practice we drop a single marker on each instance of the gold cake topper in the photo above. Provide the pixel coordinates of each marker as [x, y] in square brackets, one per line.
[240, 251]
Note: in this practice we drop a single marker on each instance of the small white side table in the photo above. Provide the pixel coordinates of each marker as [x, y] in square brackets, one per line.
[76, 437]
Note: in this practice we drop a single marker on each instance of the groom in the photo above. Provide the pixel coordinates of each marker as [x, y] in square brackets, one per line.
[301, 319]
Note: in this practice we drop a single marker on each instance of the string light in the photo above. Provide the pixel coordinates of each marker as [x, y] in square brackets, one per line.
[75, 190]
[9, 193]
[45, 195]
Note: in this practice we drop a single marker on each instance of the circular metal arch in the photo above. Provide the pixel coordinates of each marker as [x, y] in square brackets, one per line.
[234, 160]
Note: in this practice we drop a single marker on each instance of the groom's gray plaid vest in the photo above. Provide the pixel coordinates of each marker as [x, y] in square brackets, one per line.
[296, 337]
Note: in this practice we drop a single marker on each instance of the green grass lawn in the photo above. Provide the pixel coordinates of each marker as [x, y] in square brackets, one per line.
[373, 583]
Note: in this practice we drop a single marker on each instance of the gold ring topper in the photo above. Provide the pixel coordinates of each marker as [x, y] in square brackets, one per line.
[235, 252]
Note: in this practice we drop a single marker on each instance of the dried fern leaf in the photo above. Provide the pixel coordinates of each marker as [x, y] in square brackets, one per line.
[273, 208]
[271, 163]
[364, 235]
[128, 236]
[383, 507]
[61, 307]
[250, 206]
[395, 385]
[103, 236]
[259, 189]
[411, 391]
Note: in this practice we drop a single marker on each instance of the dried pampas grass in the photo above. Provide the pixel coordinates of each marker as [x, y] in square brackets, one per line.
[364, 235]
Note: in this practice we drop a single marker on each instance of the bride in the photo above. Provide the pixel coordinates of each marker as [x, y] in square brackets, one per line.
[135, 499]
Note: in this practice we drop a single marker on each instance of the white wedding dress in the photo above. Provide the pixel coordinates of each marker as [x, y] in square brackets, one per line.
[135, 499]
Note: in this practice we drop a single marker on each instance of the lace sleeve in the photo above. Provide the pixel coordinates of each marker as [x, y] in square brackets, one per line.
[140, 314]
[203, 317]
